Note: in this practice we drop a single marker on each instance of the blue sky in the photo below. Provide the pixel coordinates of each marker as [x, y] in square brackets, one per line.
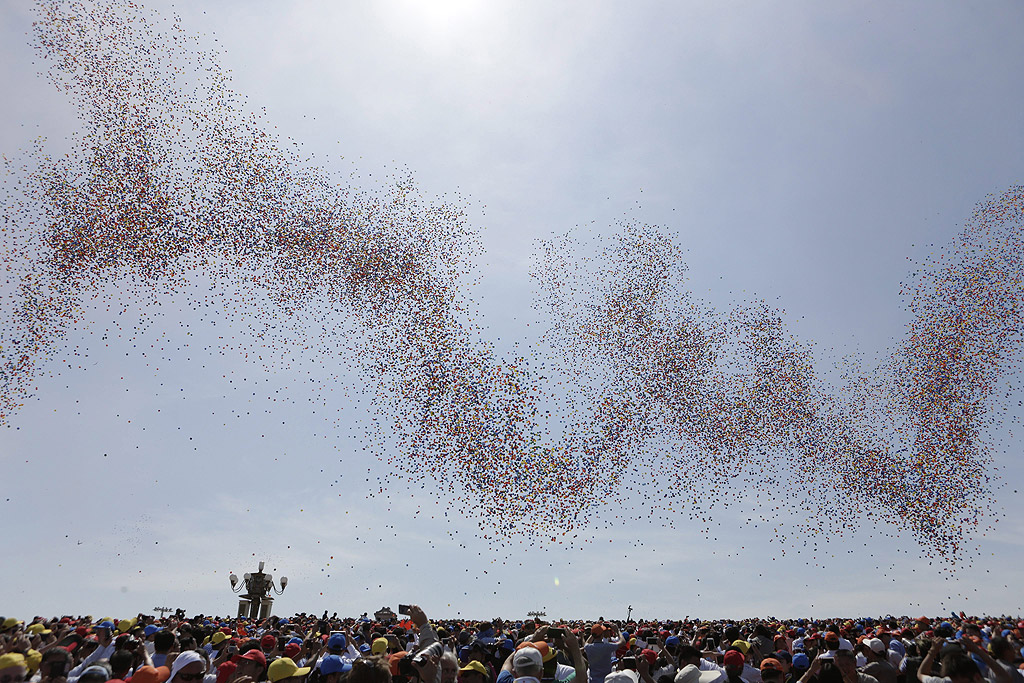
[801, 152]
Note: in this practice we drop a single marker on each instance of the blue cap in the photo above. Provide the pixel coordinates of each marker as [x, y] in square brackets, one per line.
[332, 664]
[336, 641]
[296, 640]
[800, 661]
[672, 641]
[282, 621]
[364, 648]
[507, 644]
[151, 629]
[105, 624]
[800, 631]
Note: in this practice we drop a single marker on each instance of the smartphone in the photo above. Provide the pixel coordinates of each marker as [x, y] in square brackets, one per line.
[710, 644]
[556, 632]
[404, 609]
[629, 663]
[232, 649]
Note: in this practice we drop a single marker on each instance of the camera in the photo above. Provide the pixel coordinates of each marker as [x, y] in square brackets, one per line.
[629, 663]
[404, 609]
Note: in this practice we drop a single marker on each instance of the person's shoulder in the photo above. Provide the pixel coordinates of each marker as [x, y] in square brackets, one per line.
[866, 678]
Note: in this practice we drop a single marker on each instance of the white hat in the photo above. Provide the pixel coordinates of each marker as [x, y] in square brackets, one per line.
[692, 674]
[876, 645]
[529, 658]
[625, 676]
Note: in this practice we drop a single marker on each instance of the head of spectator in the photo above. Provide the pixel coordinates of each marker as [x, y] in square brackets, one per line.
[97, 673]
[163, 641]
[268, 643]
[801, 663]
[771, 670]
[960, 668]
[474, 672]
[528, 662]
[55, 664]
[688, 654]
[449, 667]
[250, 663]
[337, 643]
[846, 662]
[104, 631]
[333, 668]
[121, 663]
[873, 649]
[734, 662]
[13, 667]
[692, 674]
[785, 659]
[372, 669]
[151, 674]
[285, 670]
[188, 667]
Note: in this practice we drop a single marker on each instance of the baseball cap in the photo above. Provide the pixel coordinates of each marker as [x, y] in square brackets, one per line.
[332, 664]
[692, 674]
[379, 646]
[626, 676]
[546, 653]
[801, 661]
[771, 663]
[742, 645]
[268, 641]
[151, 674]
[528, 658]
[12, 659]
[337, 641]
[283, 668]
[476, 667]
[734, 658]
[253, 655]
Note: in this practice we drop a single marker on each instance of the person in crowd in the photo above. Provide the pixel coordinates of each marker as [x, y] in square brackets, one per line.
[877, 657]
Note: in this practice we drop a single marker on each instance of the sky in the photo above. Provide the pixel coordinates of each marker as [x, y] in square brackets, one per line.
[806, 153]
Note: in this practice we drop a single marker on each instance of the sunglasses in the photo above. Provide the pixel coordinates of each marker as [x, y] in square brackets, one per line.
[187, 677]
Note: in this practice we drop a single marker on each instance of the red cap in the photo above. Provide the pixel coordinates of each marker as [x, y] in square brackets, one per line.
[225, 670]
[394, 659]
[734, 658]
[268, 641]
[650, 655]
[253, 655]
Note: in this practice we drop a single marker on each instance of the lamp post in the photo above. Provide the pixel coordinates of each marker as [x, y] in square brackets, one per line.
[256, 602]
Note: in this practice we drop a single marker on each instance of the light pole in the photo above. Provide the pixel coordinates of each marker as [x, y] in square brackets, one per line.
[256, 602]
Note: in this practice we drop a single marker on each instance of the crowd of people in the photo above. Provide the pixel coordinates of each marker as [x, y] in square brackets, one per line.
[321, 649]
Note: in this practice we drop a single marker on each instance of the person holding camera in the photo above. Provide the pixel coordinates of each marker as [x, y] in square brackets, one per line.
[567, 640]
[957, 666]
